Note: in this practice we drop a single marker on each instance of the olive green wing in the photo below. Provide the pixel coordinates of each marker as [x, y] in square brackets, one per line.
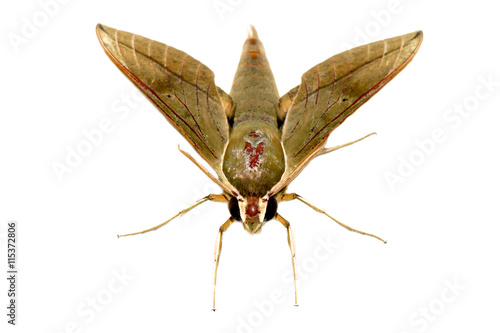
[331, 91]
[180, 86]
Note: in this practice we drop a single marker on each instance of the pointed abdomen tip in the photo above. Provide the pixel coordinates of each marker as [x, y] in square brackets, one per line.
[252, 32]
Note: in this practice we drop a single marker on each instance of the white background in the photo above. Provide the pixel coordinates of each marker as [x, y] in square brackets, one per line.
[441, 221]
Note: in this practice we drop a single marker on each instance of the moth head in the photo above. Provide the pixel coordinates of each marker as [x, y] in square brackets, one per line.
[253, 211]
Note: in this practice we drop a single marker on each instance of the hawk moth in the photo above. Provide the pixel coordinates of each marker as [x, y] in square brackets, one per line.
[256, 141]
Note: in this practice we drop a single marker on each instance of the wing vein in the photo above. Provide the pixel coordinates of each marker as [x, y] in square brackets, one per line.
[317, 90]
[182, 77]
[334, 80]
[212, 116]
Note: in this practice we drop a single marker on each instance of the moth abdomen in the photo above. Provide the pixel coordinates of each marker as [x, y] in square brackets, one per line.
[254, 90]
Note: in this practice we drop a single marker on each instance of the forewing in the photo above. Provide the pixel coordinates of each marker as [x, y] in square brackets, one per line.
[180, 86]
[332, 90]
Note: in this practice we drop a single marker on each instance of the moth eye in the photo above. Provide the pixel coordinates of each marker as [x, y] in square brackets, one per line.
[271, 210]
[234, 209]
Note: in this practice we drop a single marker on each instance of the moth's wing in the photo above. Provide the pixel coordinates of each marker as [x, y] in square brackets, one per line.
[286, 102]
[180, 86]
[331, 91]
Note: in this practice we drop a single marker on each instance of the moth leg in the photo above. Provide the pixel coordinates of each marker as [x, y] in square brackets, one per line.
[211, 197]
[329, 150]
[292, 196]
[218, 247]
[291, 243]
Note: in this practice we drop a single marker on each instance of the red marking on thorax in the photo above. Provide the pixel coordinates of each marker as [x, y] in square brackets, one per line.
[254, 134]
[254, 154]
[254, 151]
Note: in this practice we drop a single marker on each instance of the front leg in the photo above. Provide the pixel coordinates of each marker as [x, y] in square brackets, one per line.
[292, 196]
[291, 244]
[218, 248]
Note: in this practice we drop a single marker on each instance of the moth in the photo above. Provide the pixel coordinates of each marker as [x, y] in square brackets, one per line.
[256, 141]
